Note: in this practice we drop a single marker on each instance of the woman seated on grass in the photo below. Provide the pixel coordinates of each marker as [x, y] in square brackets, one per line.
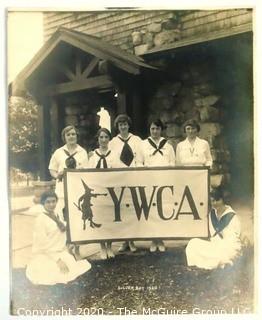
[51, 262]
[224, 244]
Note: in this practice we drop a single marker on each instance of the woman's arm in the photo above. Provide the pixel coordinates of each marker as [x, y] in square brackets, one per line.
[40, 236]
[54, 166]
[171, 155]
[233, 230]
[62, 266]
[140, 158]
[209, 160]
[178, 160]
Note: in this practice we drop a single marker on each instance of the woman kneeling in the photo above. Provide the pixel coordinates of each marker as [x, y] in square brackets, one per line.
[51, 262]
[224, 244]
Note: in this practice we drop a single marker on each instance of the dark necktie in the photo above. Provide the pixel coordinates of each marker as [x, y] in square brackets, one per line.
[219, 225]
[127, 155]
[157, 149]
[70, 161]
[102, 160]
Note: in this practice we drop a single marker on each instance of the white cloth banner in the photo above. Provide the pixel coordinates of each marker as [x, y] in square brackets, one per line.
[136, 203]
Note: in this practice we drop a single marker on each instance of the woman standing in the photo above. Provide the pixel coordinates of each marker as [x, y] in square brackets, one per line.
[193, 151]
[127, 148]
[224, 244]
[157, 152]
[126, 145]
[51, 262]
[102, 158]
[72, 156]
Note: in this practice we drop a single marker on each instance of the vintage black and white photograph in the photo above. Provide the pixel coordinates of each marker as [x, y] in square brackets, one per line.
[131, 161]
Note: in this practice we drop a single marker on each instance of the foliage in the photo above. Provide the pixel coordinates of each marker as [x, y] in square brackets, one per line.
[22, 124]
[23, 142]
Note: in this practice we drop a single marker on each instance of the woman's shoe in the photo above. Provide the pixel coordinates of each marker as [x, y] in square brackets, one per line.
[132, 246]
[110, 253]
[123, 247]
[103, 254]
[161, 246]
[153, 247]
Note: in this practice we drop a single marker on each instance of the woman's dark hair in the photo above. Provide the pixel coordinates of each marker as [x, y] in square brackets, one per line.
[217, 193]
[158, 123]
[192, 123]
[122, 118]
[47, 194]
[67, 129]
[105, 130]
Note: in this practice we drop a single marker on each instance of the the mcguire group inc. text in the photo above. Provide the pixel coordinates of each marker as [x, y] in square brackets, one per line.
[128, 311]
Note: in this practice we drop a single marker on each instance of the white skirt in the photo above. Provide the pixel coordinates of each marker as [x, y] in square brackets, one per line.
[210, 254]
[44, 270]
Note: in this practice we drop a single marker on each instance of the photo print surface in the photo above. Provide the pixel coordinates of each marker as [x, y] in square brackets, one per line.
[131, 162]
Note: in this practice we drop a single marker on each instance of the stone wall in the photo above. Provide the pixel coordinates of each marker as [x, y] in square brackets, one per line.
[194, 96]
[82, 114]
[157, 34]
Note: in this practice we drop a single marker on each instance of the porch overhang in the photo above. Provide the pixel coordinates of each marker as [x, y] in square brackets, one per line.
[51, 68]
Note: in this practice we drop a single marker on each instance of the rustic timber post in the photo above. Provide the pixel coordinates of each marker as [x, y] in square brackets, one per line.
[121, 102]
[44, 150]
[44, 138]
[54, 121]
[137, 112]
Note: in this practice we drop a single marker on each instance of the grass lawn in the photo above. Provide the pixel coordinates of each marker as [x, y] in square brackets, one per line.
[144, 283]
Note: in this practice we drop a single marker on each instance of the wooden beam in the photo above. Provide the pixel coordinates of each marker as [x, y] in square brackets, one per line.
[94, 82]
[90, 67]
[64, 69]
[44, 140]
[78, 66]
[129, 67]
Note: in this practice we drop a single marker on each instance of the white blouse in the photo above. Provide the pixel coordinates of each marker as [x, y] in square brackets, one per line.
[94, 159]
[116, 145]
[49, 245]
[220, 250]
[47, 238]
[197, 154]
[57, 163]
[231, 233]
[59, 157]
[151, 158]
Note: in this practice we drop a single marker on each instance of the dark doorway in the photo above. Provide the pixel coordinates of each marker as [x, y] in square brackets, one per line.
[234, 68]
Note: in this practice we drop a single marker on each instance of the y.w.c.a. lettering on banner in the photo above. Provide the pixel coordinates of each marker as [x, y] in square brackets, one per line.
[117, 204]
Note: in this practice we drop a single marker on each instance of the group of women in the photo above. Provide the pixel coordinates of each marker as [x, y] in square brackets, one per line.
[125, 150]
